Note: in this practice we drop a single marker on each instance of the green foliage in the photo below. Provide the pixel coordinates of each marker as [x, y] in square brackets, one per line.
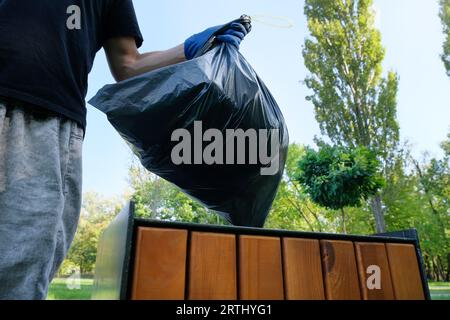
[338, 177]
[96, 214]
[84, 248]
[292, 208]
[446, 147]
[157, 199]
[420, 199]
[445, 17]
[434, 186]
[354, 105]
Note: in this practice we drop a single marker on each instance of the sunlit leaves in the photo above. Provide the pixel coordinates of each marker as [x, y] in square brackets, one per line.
[445, 17]
[338, 177]
[354, 105]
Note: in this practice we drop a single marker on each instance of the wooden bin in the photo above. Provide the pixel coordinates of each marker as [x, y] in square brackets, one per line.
[149, 260]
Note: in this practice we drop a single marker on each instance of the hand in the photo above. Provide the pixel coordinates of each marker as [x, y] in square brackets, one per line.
[232, 35]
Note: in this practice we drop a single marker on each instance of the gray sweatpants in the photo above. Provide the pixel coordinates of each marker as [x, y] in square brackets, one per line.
[40, 198]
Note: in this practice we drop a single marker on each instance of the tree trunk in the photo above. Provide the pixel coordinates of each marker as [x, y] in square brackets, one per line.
[428, 267]
[448, 268]
[344, 224]
[441, 270]
[436, 273]
[378, 213]
[429, 195]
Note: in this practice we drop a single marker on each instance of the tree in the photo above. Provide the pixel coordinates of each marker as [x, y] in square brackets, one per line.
[97, 212]
[418, 195]
[434, 184]
[83, 251]
[158, 199]
[446, 147]
[338, 177]
[445, 17]
[354, 105]
[293, 208]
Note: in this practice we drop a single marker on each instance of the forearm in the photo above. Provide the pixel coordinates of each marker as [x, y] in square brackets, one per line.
[149, 61]
[125, 61]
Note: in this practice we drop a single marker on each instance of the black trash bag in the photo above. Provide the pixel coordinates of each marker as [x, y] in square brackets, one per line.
[218, 90]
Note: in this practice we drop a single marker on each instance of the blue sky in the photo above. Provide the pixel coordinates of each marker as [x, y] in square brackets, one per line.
[412, 36]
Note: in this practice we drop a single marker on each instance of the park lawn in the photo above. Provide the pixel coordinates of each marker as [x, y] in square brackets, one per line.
[60, 291]
[440, 290]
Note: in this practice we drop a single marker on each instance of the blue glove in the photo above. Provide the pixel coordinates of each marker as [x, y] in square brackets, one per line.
[232, 35]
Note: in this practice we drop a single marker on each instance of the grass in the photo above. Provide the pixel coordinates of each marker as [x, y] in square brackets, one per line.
[60, 291]
[440, 290]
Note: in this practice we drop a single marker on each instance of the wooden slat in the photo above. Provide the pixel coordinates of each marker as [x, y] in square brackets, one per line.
[302, 269]
[160, 264]
[340, 271]
[212, 267]
[405, 272]
[260, 268]
[374, 254]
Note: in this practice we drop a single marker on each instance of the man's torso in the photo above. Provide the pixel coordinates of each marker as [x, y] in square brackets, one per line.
[47, 49]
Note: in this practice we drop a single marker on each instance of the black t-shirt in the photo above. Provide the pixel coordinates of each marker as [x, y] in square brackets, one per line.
[47, 48]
